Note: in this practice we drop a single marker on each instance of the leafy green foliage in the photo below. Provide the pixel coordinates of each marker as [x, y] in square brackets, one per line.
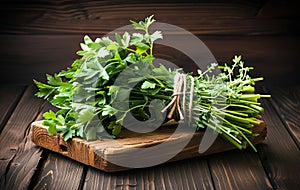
[88, 97]
[85, 93]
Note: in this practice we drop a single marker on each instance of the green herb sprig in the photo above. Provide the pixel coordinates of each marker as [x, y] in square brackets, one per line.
[227, 103]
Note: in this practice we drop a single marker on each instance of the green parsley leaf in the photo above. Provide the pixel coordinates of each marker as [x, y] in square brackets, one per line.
[50, 115]
[147, 85]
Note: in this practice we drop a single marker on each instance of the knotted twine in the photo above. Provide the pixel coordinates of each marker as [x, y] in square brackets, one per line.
[180, 89]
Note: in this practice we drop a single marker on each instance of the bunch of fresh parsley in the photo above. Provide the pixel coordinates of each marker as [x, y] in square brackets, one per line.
[89, 97]
[86, 91]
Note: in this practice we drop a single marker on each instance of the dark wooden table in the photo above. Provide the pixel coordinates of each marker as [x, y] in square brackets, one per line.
[38, 37]
[276, 165]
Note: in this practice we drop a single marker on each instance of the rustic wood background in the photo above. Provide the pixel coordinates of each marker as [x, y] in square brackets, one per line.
[42, 36]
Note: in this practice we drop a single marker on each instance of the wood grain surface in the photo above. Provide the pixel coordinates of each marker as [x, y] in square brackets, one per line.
[9, 97]
[18, 156]
[229, 171]
[279, 154]
[290, 113]
[42, 37]
[49, 54]
[59, 173]
[100, 17]
[99, 153]
[195, 174]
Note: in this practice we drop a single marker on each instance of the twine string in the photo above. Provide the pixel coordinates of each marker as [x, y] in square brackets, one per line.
[180, 83]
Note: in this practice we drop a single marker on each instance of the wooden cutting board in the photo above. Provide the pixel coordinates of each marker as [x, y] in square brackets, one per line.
[96, 153]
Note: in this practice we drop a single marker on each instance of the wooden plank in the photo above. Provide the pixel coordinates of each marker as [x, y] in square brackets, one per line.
[186, 174]
[99, 153]
[9, 97]
[50, 53]
[96, 179]
[103, 16]
[290, 112]
[29, 158]
[279, 154]
[55, 171]
[48, 58]
[238, 170]
[19, 157]
[59, 173]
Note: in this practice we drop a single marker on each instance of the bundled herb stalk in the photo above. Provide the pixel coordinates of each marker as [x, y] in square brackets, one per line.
[93, 102]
